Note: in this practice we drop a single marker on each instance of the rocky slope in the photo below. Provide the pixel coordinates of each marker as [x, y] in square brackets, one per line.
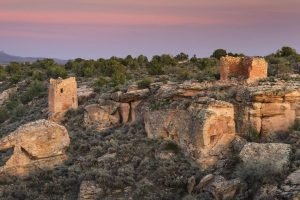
[171, 141]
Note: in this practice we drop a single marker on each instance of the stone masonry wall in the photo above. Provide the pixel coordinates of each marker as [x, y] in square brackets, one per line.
[248, 68]
[62, 95]
[255, 68]
[230, 66]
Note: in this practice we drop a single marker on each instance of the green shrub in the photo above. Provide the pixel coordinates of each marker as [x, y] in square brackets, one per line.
[161, 104]
[286, 51]
[184, 74]
[172, 146]
[57, 71]
[101, 81]
[13, 108]
[203, 63]
[145, 83]
[182, 57]
[155, 69]
[118, 78]
[13, 68]
[3, 115]
[2, 74]
[18, 111]
[12, 103]
[15, 79]
[279, 65]
[110, 67]
[36, 89]
[258, 173]
[218, 53]
[44, 63]
[252, 134]
[38, 75]
[142, 60]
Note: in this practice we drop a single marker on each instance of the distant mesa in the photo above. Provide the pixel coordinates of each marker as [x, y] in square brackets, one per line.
[7, 58]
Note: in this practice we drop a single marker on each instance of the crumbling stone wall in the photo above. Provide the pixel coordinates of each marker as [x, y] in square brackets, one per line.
[248, 68]
[62, 96]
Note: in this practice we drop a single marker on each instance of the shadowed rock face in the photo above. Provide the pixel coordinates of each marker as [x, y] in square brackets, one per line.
[39, 144]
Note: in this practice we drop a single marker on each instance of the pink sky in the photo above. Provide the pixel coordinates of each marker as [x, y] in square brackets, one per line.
[98, 28]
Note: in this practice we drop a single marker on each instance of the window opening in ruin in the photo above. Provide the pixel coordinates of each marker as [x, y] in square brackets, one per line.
[213, 139]
[61, 90]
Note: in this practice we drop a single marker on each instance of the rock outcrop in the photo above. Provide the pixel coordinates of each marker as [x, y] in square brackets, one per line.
[272, 109]
[273, 155]
[36, 145]
[102, 116]
[114, 109]
[204, 130]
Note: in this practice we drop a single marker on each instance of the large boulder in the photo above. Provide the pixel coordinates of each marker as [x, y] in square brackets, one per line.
[102, 116]
[205, 130]
[39, 144]
[274, 155]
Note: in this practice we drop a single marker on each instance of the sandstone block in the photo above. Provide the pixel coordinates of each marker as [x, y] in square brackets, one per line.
[40, 144]
[271, 109]
[204, 131]
[102, 116]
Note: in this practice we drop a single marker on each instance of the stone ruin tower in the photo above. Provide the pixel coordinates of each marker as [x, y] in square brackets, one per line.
[62, 96]
[245, 68]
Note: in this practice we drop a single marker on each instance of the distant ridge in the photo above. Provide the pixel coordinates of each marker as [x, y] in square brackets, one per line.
[6, 59]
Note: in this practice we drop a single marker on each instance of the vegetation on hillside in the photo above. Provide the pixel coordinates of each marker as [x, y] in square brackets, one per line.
[136, 166]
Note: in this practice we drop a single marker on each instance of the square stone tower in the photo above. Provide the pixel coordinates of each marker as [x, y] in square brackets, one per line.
[62, 96]
[246, 68]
